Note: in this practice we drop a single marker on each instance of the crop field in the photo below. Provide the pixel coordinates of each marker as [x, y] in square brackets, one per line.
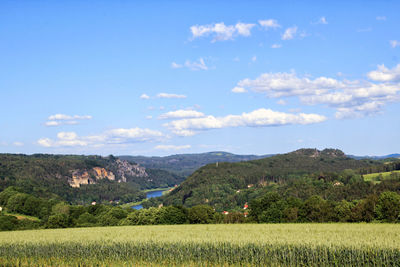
[375, 177]
[206, 245]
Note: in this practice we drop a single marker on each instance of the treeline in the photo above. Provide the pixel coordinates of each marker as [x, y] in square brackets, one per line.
[216, 185]
[45, 176]
[270, 208]
[387, 167]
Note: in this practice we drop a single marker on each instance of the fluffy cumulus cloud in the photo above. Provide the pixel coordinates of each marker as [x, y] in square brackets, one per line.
[63, 119]
[220, 31]
[289, 33]
[110, 137]
[172, 147]
[167, 95]
[182, 113]
[350, 98]
[144, 96]
[257, 118]
[269, 24]
[383, 74]
[239, 90]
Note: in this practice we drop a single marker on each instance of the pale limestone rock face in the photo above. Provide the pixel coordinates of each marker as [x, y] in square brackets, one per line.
[123, 169]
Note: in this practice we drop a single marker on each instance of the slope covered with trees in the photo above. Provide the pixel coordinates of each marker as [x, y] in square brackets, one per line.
[186, 164]
[301, 174]
[80, 179]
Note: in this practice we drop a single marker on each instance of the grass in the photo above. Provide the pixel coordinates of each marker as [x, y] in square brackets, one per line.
[374, 177]
[206, 245]
[21, 216]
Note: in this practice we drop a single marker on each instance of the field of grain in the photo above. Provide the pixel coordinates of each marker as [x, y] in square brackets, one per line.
[375, 177]
[206, 245]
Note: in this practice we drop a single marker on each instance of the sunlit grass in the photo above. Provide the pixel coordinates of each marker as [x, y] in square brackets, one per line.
[258, 244]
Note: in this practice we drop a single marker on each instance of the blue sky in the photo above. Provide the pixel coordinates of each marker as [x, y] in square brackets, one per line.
[158, 78]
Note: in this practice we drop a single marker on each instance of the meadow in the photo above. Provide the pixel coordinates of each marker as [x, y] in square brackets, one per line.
[206, 245]
[379, 176]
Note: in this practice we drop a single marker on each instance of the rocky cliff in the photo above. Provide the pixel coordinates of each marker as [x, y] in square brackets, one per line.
[123, 170]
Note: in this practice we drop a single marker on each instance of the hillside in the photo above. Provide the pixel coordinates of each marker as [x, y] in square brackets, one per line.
[229, 185]
[81, 179]
[186, 164]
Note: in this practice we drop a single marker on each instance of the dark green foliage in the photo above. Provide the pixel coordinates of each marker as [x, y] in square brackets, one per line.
[8, 223]
[58, 221]
[172, 215]
[186, 164]
[299, 174]
[388, 207]
[201, 214]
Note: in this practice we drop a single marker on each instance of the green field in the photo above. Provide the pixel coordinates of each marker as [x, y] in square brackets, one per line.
[206, 245]
[377, 177]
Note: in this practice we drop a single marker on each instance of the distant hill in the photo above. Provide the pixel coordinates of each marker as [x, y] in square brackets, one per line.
[395, 156]
[223, 185]
[81, 179]
[186, 164]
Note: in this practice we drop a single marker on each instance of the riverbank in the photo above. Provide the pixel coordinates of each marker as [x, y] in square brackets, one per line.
[164, 190]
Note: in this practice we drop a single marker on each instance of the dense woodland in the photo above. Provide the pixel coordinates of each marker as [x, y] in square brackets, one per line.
[186, 164]
[47, 176]
[303, 186]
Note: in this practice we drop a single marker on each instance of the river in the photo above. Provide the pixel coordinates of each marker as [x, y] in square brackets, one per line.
[150, 194]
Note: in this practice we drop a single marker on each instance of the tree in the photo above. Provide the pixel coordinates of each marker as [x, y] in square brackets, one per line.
[171, 215]
[388, 206]
[58, 221]
[201, 214]
[343, 211]
[8, 223]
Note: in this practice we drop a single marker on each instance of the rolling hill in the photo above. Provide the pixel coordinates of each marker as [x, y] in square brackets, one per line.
[228, 185]
[81, 179]
[186, 164]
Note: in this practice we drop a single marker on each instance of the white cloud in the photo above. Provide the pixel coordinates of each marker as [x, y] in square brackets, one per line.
[172, 147]
[244, 29]
[281, 102]
[177, 114]
[380, 18]
[254, 59]
[383, 74]
[166, 95]
[287, 84]
[63, 119]
[289, 33]
[175, 65]
[269, 23]
[196, 65]
[257, 118]
[149, 117]
[52, 123]
[220, 31]
[394, 43]
[68, 117]
[349, 98]
[18, 143]
[110, 137]
[239, 90]
[322, 20]
[144, 96]
[276, 46]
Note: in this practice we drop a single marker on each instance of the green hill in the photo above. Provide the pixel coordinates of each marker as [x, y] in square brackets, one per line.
[81, 179]
[230, 185]
[186, 164]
